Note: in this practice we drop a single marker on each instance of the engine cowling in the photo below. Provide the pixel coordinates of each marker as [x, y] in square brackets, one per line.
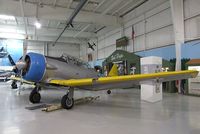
[35, 67]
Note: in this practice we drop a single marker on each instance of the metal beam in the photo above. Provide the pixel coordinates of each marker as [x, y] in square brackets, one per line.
[100, 4]
[54, 3]
[22, 13]
[121, 7]
[134, 7]
[59, 14]
[48, 23]
[16, 21]
[82, 30]
[35, 33]
[111, 7]
[178, 25]
[36, 15]
[58, 24]
[50, 40]
[71, 18]
[70, 2]
[44, 31]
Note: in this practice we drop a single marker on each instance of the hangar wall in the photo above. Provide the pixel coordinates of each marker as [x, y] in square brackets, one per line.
[55, 51]
[153, 27]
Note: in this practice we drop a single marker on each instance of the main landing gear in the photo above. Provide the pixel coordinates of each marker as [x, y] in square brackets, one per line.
[67, 101]
[35, 96]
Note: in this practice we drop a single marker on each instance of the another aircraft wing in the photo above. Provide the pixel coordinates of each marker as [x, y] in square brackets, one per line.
[126, 80]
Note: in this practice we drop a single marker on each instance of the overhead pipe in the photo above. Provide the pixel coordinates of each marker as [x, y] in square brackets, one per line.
[71, 18]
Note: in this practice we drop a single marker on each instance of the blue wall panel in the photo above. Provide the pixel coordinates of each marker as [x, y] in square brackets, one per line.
[12, 47]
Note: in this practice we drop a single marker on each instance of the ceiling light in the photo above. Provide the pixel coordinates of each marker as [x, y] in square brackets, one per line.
[38, 25]
[7, 17]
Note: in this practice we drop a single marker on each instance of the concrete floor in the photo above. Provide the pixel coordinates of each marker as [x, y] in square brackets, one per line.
[122, 112]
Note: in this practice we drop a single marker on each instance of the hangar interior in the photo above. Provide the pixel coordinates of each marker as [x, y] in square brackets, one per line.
[97, 35]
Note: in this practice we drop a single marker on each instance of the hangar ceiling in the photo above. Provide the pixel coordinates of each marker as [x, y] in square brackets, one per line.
[96, 15]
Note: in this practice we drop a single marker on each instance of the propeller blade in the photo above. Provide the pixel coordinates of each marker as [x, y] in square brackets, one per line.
[11, 60]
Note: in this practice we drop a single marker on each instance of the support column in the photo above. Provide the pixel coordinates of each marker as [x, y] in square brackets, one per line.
[25, 47]
[46, 48]
[178, 24]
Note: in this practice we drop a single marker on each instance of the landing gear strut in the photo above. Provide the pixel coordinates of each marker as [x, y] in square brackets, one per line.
[35, 95]
[67, 101]
[14, 85]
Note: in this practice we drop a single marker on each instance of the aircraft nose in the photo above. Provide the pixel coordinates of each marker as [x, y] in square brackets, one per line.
[20, 65]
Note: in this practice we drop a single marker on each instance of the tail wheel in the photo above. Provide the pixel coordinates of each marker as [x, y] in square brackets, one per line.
[67, 102]
[34, 97]
[108, 91]
[14, 85]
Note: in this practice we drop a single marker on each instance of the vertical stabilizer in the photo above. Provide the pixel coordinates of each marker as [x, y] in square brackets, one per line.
[113, 71]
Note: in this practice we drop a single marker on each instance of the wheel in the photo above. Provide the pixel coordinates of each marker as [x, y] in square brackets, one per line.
[14, 85]
[108, 91]
[34, 97]
[66, 102]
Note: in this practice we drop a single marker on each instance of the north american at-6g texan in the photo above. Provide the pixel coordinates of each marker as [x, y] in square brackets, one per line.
[71, 72]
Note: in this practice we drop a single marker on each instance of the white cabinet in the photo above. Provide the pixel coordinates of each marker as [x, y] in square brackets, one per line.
[151, 91]
[194, 83]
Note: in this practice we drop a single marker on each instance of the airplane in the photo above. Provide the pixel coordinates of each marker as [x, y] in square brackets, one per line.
[7, 71]
[3, 53]
[5, 74]
[91, 46]
[71, 72]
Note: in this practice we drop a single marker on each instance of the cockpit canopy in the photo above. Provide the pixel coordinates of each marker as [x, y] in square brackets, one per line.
[74, 60]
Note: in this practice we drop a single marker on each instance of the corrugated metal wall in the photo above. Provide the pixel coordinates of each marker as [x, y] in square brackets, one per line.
[153, 27]
[55, 51]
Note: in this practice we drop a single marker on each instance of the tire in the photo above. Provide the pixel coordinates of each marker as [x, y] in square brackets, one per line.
[34, 97]
[108, 91]
[14, 85]
[66, 102]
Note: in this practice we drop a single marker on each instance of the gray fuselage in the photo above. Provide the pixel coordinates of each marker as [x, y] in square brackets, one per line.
[57, 68]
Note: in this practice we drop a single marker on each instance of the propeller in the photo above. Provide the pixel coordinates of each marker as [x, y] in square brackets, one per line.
[15, 70]
[21, 64]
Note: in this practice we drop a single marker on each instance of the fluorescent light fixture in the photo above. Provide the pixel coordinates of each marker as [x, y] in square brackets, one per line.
[12, 36]
[38, 25]
[7, 17]
[8, 30]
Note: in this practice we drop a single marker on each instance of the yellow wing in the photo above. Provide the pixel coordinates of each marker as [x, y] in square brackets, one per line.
[115, 80]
